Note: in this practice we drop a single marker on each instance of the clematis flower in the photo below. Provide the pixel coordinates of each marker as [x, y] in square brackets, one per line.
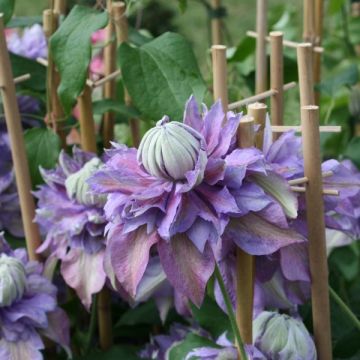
[186, 188]
[73, 220]
[280, 336]
[28, 307]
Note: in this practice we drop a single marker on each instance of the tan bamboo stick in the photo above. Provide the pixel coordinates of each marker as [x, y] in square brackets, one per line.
[106, 79]
[261, 60]
[261, 96]
[316, 232]
[109, 86]
[322, 129]
[220, 74]
[286, 43]
[60, 7]
[258, 112]
[305, 71]
[319, 18]
[245, 263]
[18, 152]
[105, 319]
[55, 111]
[277, 78]
[121, 27]
[216, 23]
[22, 78]
[309, 21]
[301, 189]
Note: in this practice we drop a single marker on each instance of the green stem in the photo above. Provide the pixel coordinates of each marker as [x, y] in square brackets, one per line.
[92, 325]
[231, 313]
[345, 308]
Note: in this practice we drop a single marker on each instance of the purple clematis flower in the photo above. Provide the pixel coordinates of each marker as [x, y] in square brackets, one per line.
[73, 219]
[28, 307]
[184, 189]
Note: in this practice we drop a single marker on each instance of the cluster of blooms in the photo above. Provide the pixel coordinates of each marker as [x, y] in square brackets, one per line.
[28, 307]
[275, 336]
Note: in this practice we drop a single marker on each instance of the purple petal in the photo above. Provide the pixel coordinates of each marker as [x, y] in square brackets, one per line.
[295, 262]
[192, 115]
[187, 269]
[172, 207]
[215, 171]
[213, 121]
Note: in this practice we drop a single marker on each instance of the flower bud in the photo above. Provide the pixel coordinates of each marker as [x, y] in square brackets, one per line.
[78, 188]
[280, 336]
[171, 149]
[12, 280]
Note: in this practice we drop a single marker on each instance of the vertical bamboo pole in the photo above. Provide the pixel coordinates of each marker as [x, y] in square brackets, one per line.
[109, 86]
[121, 27]
[55, 113]
[258, 112]
[244, 262]
[219, 74]
[216, 23]
[309, 21]
[316, 231]
[319, 18]
[306, 82]
[60, 7]
[18, 151]
[261, 61]
[277, 78]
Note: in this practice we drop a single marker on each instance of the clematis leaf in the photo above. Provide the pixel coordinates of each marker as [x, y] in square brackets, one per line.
[278, 188]
[7, 8]
[70, 47]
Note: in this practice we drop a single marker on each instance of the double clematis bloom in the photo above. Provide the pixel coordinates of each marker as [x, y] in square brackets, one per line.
[185, 189]
[72, 217]
[28, 307]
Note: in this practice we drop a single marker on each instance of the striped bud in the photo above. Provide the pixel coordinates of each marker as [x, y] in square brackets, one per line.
[171, 149]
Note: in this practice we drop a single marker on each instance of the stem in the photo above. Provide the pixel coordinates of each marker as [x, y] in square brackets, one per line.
[231, 313]
[344, 308]
[92, 325]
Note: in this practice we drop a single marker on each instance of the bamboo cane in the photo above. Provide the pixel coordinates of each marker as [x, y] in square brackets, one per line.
[316, 232]
[109, 86]
[261, 61]
[309, 21]
[306, 82]
[244, 262]
[277, 78]
[121, 26]
[55, 113]
[258, 112]
[18, 152]
[60, 7]
[216, 36]
[319, 18]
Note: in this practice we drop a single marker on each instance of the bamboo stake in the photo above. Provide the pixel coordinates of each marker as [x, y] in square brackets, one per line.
[306, 82]
[261, 60]
[18, 151]
[104, 318]
[319, 18]
[60, 7]
[286, 43]
[109, 86]
[216, 23]
[322, 129]
[316, 232]
[220, 74]
[261, 96]
[309, 21]
[301, 189]
[55, 111]
[258, 112]
[22, 78]
[277, 78]
[121, 26]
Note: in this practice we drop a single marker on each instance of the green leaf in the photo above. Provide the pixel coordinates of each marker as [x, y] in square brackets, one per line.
[102, 106]
[182, 5]
[192, 341]
[347, 261]
[21, 65]
[43, 148]
[352, 151]
[335, 6]
[139, 37]
[211, 317]
[245, 49]
[24, 21]
[161, 75]
[347, 77]
[7, 8]
[71, 50]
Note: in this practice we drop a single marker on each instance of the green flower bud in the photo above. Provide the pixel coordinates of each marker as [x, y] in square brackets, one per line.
[78, 188]
[171, 149]
[280, 336]
[12, 280]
